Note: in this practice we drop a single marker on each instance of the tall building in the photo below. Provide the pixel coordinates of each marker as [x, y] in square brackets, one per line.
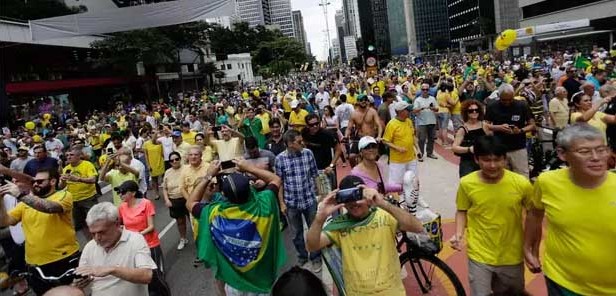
[281, 15]
[374, 27]
[308, 49]
[431, 25]
[274, 13]
[397, 27]
[350, 48]
[471, 22]
[335, 51]
[351, 15]
[341, 31]
[300, 31]
[254, 12]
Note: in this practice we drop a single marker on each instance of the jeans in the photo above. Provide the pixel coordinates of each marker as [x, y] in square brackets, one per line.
[426, 132]
[295, 220]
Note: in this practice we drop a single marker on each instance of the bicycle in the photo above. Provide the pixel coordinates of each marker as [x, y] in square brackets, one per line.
[35, 272]
[541, 160]
[432, 275]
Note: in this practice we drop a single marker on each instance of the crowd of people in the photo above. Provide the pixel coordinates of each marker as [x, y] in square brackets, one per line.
[241, 165]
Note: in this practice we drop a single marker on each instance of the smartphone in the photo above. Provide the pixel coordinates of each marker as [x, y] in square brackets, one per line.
[68, 172]
[109, 150]
[431, 105]
[349, 195]
[511, 126]
[216, 128]
[227, 165]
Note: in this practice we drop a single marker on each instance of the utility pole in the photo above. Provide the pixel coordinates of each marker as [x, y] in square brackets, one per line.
[324, 4]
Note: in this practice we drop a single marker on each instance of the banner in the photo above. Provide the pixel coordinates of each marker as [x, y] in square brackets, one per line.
[118, 19]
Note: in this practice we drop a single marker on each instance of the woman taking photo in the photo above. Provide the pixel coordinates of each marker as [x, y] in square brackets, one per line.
[586, 112]
[137, 214]
[473, 128]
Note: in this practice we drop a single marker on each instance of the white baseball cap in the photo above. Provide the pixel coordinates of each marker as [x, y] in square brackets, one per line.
[294, 104]
[401, 105]
[365, 141]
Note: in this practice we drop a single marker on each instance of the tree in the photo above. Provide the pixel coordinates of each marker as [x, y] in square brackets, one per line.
[280, 56]
[36, 9]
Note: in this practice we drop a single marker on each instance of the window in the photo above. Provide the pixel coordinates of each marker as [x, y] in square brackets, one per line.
[228, 66]
[222, 67]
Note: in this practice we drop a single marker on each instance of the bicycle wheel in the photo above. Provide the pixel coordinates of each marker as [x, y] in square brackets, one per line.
[428, 275]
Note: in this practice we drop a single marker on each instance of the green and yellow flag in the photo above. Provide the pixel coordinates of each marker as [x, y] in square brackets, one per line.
[582, 63]
[242, 244]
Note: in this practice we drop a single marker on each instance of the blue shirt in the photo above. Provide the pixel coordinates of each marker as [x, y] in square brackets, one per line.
[34, 165]
[297, 171]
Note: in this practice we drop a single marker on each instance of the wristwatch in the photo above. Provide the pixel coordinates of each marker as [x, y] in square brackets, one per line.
[331, 165]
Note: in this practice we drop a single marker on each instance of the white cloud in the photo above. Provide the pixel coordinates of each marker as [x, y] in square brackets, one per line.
[314, 23]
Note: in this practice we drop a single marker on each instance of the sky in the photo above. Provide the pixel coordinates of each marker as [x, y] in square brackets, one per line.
[314, 24]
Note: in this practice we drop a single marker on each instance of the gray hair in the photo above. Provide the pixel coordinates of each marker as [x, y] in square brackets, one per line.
[585, 84]
[195, 147]
[607, 89]
[560, 89]
[104, 211]
[504, 88]
[582, 131]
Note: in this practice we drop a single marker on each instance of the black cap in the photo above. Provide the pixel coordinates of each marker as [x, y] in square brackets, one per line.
[236, 187]
[127, 186]
[351, 181]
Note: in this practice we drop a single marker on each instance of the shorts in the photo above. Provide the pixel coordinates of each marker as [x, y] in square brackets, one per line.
[178, 208]
[397, 170]
[443, 119]
[503, 280]
[80, 211]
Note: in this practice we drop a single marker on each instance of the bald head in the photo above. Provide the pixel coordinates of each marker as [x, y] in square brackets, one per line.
[65, 291]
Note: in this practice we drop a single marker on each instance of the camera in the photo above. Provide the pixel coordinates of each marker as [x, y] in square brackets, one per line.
[349, 195]
[109, 150]
[225, 165]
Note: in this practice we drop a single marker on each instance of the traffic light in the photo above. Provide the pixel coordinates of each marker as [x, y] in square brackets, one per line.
[371, 60]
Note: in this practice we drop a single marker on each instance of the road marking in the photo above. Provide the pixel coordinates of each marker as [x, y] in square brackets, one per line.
[162, 233]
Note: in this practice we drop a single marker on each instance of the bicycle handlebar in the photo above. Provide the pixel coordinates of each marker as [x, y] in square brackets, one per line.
[68, 273]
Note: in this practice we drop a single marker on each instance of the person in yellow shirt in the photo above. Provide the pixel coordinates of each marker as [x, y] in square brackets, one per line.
[579, 205]
[399, 135]
[297, 119]
[442, 98]
[489, 211]
[370, 263]
[188, 136]
[264, 115]
[79, 178]
[155, 159]
[351, 96]
[115, 171]
[46, 218]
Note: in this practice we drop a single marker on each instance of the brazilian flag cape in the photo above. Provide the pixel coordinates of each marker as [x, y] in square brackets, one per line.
[242, 244]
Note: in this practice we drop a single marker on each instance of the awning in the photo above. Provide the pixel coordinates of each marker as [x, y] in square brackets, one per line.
[541, 39]
[53, 85]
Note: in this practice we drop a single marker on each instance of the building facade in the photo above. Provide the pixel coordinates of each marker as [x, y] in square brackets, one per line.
[270, 13]
[471, 23]
[298, 26]
[351, 15]
[237, 67]
[431, 25]
[397, 27]
[341, 31]
[335, 52]
[374, 27]
[281, 15]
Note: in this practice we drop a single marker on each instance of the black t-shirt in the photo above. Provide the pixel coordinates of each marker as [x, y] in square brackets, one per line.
[275, 147]
[517, 114]
[611, 129]
[572, 86]
[321, 145]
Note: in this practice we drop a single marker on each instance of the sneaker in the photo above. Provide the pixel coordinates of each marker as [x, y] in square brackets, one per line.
[303, 263]
[182, 244]
[432, 156]
[422, 203]
[316, 266]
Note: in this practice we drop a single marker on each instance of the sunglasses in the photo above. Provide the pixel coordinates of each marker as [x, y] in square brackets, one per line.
[174, 159]
[425, 89]
[40, 181]
[472, 111]
[313, 124]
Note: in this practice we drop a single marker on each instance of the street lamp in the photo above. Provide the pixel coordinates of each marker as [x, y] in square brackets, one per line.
[324, 4]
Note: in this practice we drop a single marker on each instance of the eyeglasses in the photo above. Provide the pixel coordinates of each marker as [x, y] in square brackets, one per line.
[472, 111]
[174, 159]
[588, 152]
[313, 124]
[40, 181]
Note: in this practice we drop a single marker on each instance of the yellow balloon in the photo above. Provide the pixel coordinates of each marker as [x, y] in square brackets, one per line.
[46, 116]
[508, 36]
[30, 125]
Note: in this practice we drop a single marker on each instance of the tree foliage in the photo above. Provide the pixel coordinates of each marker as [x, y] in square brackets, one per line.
[36, 9]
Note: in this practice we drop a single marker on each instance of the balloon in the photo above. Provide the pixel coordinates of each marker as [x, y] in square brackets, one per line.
[500, 44]
[30, 125]
[508, 36]
[46, 116]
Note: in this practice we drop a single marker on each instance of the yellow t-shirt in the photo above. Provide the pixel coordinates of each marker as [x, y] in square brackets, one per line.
[189, 137]
[104, 137]
[581, 232]
[265, 119]
[298, 119]
[155, 160]
[495, 234]
[351, 99]
[79, 190]
[286, 101]
[400, 133]
[457, 108]
[370, 262]
[441, 99]
[95, 142]
[190, 175]
[171, 182]
[49, 237]
[596, 121]
[228, 150]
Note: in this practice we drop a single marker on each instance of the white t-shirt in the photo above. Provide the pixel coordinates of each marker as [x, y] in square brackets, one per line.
[322, 99]
[151, 120]
[344, 112]
[167, 143]
[17, 233]
[136, 164]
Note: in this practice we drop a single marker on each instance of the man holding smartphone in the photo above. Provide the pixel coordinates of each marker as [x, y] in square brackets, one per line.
[366, 235]
[424, 108]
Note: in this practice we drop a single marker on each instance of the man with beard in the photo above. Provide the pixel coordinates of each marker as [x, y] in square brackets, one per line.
[364, 122]
[46, 217]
